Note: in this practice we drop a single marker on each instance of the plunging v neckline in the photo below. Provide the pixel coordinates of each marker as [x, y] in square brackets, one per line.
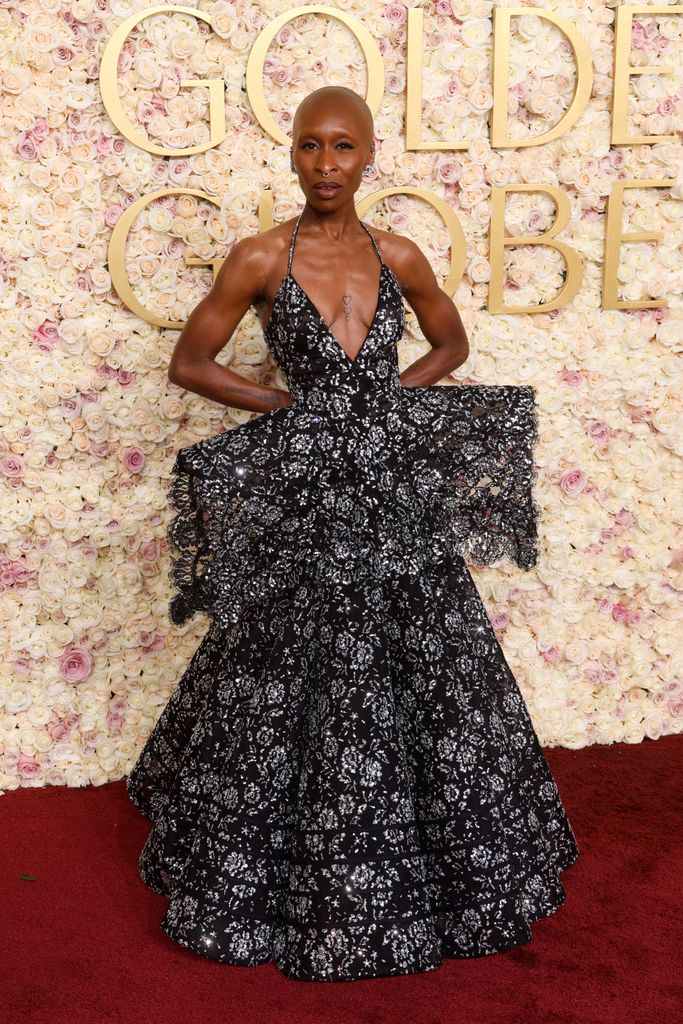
[326, 325]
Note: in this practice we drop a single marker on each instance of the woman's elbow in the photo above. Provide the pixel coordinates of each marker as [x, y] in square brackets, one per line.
[175, 373]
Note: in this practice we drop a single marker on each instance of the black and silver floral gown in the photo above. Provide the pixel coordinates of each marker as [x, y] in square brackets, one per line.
[346, 780]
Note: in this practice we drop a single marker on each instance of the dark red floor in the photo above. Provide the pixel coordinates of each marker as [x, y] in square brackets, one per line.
[81, 943]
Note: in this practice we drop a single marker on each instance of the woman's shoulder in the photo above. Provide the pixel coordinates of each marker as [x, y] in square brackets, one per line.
[271, 241]
[264, 249]
[399, 251]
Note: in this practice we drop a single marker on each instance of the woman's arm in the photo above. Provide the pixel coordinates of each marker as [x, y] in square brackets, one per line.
[240, 281]
[437, 315]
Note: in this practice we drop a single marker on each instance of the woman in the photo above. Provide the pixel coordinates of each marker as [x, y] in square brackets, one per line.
[346, 780]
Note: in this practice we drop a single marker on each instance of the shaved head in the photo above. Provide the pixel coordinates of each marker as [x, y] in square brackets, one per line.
[332, 99]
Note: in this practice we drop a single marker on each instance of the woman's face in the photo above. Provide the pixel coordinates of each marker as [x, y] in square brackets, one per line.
[331, 140]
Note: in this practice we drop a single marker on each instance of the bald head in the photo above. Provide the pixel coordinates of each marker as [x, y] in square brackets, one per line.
[335, 101]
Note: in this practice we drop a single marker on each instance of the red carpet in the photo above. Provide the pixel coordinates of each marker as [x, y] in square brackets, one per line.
[81, 943]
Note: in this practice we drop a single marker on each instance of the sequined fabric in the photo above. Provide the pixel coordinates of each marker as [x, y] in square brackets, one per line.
[346, 780]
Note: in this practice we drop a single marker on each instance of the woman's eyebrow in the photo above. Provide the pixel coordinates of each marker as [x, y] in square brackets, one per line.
[315, 135]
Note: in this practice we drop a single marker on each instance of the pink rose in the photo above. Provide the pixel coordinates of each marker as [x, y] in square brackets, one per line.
[599, 431]
[59, 730]
[97, 27]
[550, 655]
[75, 664]
[573, 482]
[27, 766]
[626, 553]
[449, 170]
[112, 214]
[500, 620]
[7, 576]
[160, 173]
[48, 331]
[179, 170]
[62, 55]
[25, 147]
[174, 248]
[282, 76]
[395, 82]
[151, 550]
[676, 707]
[12, 465]
[82, 282]
[145, 112]
[22, 573]
[125, 377]
[637, 35]
[40, 129]
[395, 13]
[619, 612]
[625, 517]
[133, 459]
[572, 377]
[114, 723]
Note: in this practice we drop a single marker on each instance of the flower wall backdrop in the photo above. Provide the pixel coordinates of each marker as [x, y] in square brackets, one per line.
[89, 423]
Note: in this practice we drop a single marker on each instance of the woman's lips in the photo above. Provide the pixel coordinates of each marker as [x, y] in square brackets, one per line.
[327, 189]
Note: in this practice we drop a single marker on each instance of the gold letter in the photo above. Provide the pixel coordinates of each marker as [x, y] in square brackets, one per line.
[622, 73]
[498, 240]
[257, 56]
[117, 251]
[614, 238]
[114, 107]
[501, 60]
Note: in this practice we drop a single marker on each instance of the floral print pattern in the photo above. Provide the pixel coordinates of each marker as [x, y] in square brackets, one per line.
[346, 780]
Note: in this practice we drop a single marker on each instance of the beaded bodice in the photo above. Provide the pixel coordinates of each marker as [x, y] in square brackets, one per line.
[320, 375]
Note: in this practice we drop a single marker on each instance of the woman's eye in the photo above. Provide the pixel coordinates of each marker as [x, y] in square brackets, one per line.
[307, 145]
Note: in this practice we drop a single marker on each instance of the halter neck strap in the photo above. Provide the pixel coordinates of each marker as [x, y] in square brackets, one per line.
[291, 244]
[296, 228]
